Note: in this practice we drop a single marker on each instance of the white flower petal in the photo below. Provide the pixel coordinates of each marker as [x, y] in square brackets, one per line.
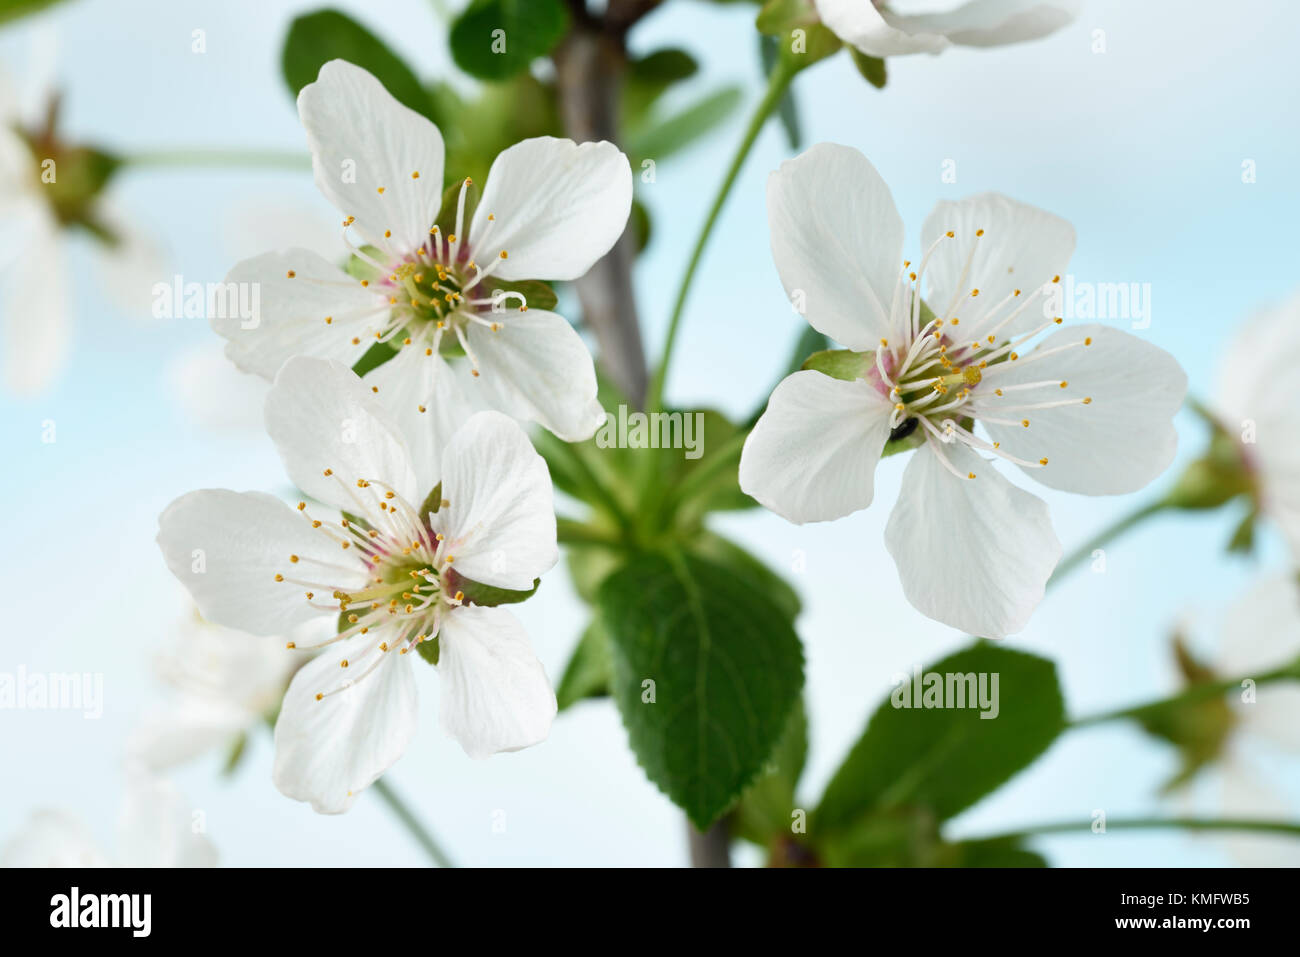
[227, 547]
[837, 241]
[812, 455]
[52, 839]
[33, 295]
[213, 393]
[1022, 247]
[321, 417]
[500, 523]
[1118, 442]
[859, 23]
[157, 827]
[1262, 632]
[129, 268]
[1255, 400]
[537, 361]
[423, 397]
[328, 751]
[185, 729]
[288, 314]
[972, 553]
[990, 23]
[495, 694]
[558, 206]
[365, 148]
[1245, 792]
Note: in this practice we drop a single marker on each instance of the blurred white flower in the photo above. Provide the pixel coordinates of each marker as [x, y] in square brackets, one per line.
[1256, 405]
[157, 827]
[49, 192]
[1261, 632]
[1089, 410]
[550, 209]
[215, 395]
[223, 683]
[394, 565]
[883, 29]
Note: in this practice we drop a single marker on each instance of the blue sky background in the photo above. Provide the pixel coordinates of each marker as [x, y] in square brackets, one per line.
[1141, 147]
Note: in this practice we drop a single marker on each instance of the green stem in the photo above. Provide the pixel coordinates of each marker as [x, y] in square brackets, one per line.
[412, 823]
[1200, 691]
[777, 82]
[1148, 823]
[571, 532]
[599, 492]
[265, 159]
[1116, 529]
[726, 457]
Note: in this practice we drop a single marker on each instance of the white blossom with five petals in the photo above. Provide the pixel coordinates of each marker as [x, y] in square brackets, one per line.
[1088, 410]
[549, 210]
[390, 569]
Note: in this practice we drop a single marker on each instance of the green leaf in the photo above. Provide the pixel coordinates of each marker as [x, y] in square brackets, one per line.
[706, 670]
[765, 812]
[316, 38]
[752, 570]
[649, 77]
[999, 853]
[910, 837]
[666, 136]
[497, 39]
[872, 68]
[587, 675]
[943, 760]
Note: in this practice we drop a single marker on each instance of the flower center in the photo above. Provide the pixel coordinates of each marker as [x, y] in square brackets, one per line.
[943, 376]
[406, 571]
[436, 292]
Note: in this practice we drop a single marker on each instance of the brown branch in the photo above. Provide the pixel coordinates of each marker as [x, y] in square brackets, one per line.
[589, 66]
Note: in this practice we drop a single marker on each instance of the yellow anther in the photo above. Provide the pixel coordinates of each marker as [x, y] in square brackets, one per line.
[279, 577]
[1043, 460]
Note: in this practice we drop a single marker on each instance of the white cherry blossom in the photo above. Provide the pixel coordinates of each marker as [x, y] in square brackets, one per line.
[411, 536]
[1088, 409]
[549, 210]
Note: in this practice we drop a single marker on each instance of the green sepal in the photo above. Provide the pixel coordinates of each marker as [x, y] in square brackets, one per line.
[489, 596]
[841, 363]
[430, 649]
[872, 68]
